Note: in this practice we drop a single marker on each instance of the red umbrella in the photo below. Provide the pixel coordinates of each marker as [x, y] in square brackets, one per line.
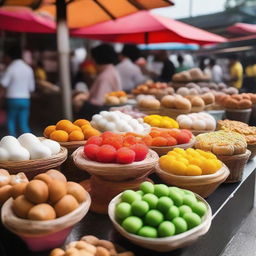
[146, 27]
[242, 29]
[22, 19]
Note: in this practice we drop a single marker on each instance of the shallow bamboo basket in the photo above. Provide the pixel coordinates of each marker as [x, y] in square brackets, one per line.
[164, 150]
[167, 243]
[36, 166]
[203, 185]
[115, 172]
[242, 115]
[252, 148]
[149, 111]
[173, 113]
[235, 164]
[197, 132]
[43, 235]
[68, 168]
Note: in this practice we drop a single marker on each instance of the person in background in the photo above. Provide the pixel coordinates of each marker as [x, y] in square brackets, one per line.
[130, 73]
[250, 75]
[41, 79]
[108, 79]
[168, 69]
[216, 71]
[236, 72]
[181, 66]
[18, 81]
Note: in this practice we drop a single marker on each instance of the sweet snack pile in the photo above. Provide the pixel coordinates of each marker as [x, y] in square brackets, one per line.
[197, 121]
[238, 101]
[249, 132]
[116, 98]
[65, 131]
[176, 102]
[89, 246]
[116, 121]
[11, 185]
[148, 101]
[189, 162]
[115, 148]
[152, 88]
[222, 143]
[27, 147]
[194, 74]
[157, 211]
[165, 138]
[161, 121]
[48, 196]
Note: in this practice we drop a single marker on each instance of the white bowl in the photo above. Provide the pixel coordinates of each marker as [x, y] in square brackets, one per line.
[167, 243]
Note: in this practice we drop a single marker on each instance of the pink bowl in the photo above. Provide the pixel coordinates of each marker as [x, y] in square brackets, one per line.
[43, 235]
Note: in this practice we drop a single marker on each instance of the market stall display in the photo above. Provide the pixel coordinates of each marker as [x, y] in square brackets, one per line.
[195, 170]
[249, 132]
[44, 214]
[91, 246]
[229, 147]
[116, 121]
[30, 154]
[116, 162]
[159, 217]
[116, 98]
[197, 122]
[191, 75]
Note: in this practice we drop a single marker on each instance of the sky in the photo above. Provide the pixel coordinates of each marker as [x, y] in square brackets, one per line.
[199, 7]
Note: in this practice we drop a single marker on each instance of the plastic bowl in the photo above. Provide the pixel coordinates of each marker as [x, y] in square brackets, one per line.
[43, 235]
[167, 243]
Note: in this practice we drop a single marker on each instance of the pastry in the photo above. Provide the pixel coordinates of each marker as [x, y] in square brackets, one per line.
[182, 103]
[208, 98]
[197, 102]
[168, 101]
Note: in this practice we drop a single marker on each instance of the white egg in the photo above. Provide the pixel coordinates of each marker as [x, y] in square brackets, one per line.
[133, 123]
[180, 117]
[4, 155]
[199, 125]
[140, 120]
[113, 117]
[127, 128]
[120, 126]
[139, 129]
[96, 117]
[110, 126]
[104, 113]
[101, 124]
[52, 145]
[210, 125]
[185, 123]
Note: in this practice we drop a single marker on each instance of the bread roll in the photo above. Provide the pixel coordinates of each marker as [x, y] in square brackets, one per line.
[197, 102]
[182, 104]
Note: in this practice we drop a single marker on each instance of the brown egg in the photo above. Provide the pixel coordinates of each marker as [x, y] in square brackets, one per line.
[37, 191]
[65, 205]
[56, 175]
[42, 212]
[57, 189]
[77, 191]
[5, 177]
[43, 177]
[18, 178]
[57, 252]
[21, 206]
[19, 189]
[5, 193]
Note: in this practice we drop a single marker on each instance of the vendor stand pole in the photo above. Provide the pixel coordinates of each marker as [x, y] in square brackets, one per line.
[64, 58]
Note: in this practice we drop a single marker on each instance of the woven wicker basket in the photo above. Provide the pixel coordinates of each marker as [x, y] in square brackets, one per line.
[115, 172]
[235, 164]
[173, 113]
[164, 150]
[34, 167]
[252, 148]
[242, 115]
[203, 185]
[68, 168]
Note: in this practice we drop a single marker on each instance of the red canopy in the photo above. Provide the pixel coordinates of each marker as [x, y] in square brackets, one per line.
[146, 27]
[25, 20]
[242, 29]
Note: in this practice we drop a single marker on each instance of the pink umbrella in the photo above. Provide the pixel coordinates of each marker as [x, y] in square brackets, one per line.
[25, 20]
[242, 29]
[146, 27]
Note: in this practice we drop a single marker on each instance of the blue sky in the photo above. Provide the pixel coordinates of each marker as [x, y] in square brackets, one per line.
[199, 7]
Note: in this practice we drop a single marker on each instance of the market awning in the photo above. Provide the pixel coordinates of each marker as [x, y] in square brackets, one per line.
[146, 27]
[242, 29]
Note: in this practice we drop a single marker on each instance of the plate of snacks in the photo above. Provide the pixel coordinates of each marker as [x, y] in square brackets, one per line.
[229, 147]
[46, 210]
[192, 169]
[159, 217]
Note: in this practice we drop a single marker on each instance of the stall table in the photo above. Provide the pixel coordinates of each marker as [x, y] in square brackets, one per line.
[231, 203]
